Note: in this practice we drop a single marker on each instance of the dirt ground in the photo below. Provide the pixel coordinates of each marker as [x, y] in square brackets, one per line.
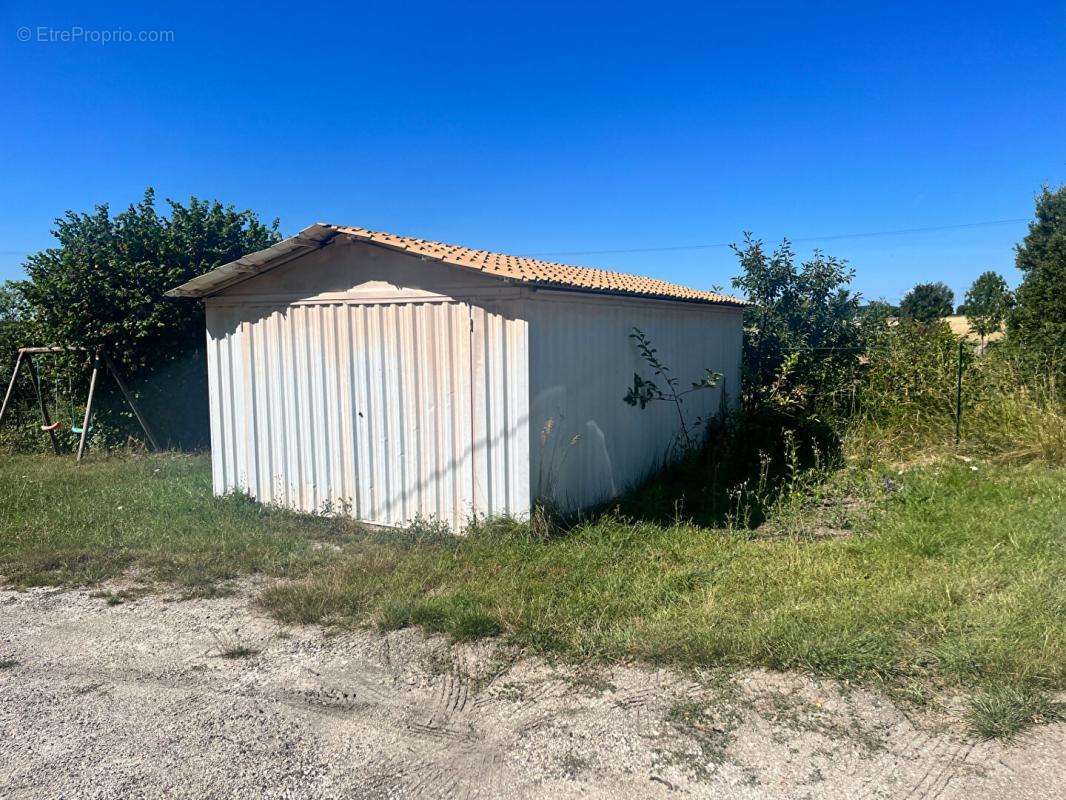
[137, 700]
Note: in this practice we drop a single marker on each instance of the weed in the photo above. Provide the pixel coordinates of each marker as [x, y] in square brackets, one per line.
[512, 691]
[8, 663]
[644, 391]
[803, 715]
[229, 646]
[573, 765]
[711, 729]
[1005, 711]
[237, 651]
[589, 683]
[547, 509]
[119, 597]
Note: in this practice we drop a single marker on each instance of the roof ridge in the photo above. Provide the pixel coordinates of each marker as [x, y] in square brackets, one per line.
[519, 269]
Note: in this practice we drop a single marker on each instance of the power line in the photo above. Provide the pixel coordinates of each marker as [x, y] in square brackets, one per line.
[827, 238]
[669, 248]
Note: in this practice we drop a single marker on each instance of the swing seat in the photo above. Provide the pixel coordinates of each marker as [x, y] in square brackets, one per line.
[78, 429]
[49, 428]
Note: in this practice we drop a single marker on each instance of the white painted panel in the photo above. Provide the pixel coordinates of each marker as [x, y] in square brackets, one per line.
[500, 365]
[587, 444]
[369, 408]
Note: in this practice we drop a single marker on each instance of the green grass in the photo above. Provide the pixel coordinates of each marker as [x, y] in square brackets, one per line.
[1003, 712]
[950, 576]
[64, 524]
[955, 577]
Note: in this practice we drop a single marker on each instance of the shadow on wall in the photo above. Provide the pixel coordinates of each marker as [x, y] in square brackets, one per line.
[382, 347]
[577, 466]
[553, 485]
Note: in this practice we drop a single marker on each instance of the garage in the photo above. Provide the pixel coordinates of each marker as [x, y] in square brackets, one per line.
[392, 378]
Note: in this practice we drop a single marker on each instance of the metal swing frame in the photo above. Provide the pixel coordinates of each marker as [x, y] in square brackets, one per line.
[101, 360]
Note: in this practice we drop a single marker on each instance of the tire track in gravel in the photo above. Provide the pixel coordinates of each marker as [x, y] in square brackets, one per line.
[359, 714]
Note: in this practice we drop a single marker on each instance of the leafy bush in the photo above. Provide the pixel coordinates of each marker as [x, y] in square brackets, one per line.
[908, 382]
[103, 286]
[801, 341]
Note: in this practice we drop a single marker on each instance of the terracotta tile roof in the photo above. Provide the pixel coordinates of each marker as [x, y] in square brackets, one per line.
[537, 272]
[521, 269]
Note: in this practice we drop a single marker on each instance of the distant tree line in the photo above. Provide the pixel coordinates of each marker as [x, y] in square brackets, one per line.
[1035, 315]
[808, 335]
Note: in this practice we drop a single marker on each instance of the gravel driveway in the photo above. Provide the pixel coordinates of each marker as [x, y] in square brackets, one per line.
[137, 700]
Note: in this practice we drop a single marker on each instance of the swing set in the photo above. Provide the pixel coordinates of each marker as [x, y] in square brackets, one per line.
[100, 360]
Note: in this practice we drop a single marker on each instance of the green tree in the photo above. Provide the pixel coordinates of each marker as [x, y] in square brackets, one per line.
[927, 302]
[801, 340]
[12, 321]
[1038, 321]
[20, 430]
[874, 316]
[987, 303]
[103, 285]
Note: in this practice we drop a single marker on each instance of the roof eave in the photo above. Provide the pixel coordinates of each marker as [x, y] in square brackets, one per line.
[668, 298]
[310, 238]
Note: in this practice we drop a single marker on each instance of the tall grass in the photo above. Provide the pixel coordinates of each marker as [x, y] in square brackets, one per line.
[906, 400]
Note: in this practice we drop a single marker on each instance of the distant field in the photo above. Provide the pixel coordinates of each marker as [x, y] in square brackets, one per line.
[960, 326]
[951, 576]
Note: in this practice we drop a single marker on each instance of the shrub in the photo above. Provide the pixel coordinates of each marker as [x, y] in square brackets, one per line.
[801, 340]
[103, 286]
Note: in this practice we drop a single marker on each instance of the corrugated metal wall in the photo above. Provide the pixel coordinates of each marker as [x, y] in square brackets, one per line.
[383, 410]
[367, 381]
[582, 362]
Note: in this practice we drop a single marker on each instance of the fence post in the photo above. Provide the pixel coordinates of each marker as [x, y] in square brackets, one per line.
[958, 396]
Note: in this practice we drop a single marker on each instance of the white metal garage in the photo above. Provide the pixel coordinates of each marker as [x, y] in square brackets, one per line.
[392, 377]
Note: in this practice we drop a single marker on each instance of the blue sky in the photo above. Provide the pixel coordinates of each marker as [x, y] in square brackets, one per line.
[556, 127]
